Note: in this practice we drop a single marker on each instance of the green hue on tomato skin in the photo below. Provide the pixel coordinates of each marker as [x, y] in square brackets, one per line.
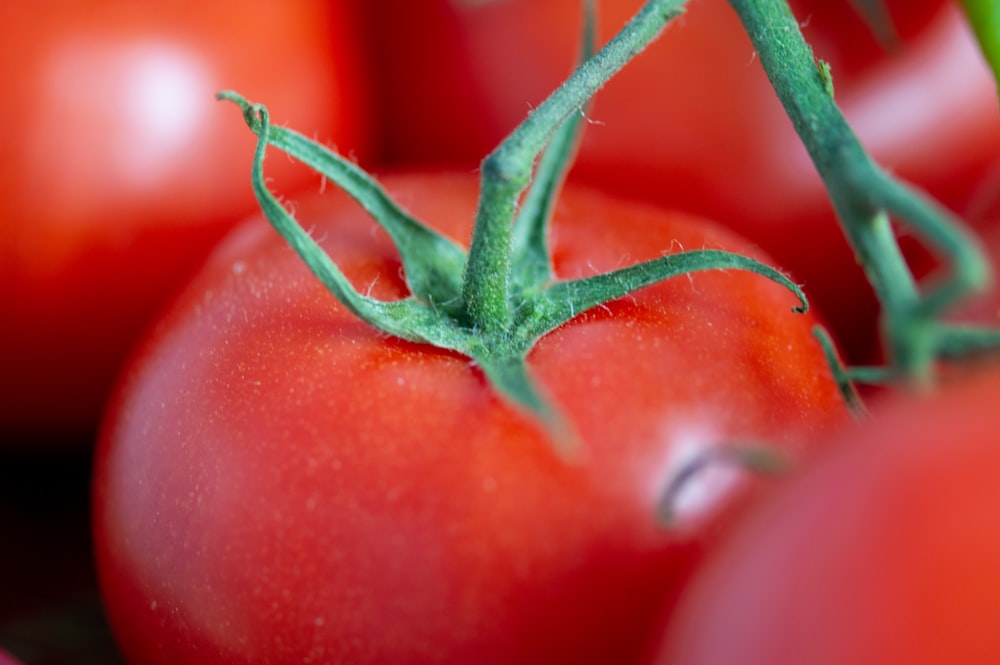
[119, 171]
[277, 480]
[884, 550]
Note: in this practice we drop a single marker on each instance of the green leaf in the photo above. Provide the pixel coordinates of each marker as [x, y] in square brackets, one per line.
[984, 17]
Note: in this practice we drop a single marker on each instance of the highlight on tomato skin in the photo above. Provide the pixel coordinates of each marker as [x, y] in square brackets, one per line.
[884, 550]
[276, 478]
[121, 171]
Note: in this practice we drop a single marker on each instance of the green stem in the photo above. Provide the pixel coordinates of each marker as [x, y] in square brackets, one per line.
[532, 265]
[844, 377]
[432, 262]
[408, 319]
[493, 325]
[511, 378]
[863, 195]
[507, 170]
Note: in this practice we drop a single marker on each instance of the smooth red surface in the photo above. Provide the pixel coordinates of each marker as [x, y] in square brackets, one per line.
[278, 482]
[885, 551]
[120, 170]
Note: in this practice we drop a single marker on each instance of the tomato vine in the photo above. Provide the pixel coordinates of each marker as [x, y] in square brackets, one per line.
[496, 302]
[867, 201]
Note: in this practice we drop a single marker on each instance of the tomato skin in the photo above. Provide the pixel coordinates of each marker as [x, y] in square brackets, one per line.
[121, 170]
[278, 480]
[886, 550]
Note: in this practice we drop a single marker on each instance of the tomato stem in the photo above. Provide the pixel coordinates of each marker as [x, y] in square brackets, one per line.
[866, 199]
[506, 171]
[532, 267]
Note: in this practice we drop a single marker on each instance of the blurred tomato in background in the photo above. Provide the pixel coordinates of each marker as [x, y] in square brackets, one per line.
[7, 659]
[120, 170]
[692, 123]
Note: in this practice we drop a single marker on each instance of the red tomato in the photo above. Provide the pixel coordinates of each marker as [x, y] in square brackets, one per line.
[277, 481]
[120, 170]
[692, 123]
[886, 550]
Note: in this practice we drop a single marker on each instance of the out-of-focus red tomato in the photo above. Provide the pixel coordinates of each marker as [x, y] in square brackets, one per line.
[119, 170]
[885, 550]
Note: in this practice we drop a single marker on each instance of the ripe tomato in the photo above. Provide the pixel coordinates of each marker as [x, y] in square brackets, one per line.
[278, 481]
[693, 124]
[120, 170]
[886, 550]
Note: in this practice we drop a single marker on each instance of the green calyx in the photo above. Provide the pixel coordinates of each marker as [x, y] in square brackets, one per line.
[495, 301]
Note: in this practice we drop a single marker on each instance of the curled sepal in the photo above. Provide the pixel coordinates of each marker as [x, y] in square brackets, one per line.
[408, 319]
[433, 264]
[564, 300]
